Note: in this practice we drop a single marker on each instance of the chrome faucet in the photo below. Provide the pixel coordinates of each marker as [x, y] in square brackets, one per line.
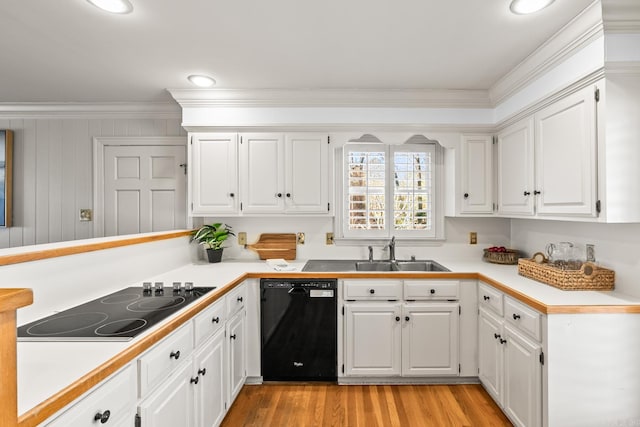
[370, 253]
[392, 248]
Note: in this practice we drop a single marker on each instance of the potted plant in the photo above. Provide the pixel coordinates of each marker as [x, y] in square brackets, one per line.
[212, 236]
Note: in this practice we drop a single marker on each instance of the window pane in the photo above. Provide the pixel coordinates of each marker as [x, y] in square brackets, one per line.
[366, 187]
[412, 190]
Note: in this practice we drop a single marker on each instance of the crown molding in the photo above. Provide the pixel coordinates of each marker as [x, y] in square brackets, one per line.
[622, 67]
[347, 127]
[409, 98]
[112, 110]
[621, 16]
[577, 34]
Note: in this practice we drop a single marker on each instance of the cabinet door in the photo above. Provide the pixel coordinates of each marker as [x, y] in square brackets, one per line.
[210, 397]
[490, 357]
[515, 169]
[262, 173]
[477, 174]
[522, 379]
[237, 370]
[306, 173]
[566, 156]
[372, 337]
[213, 173]
[430, 339]
[171, 404]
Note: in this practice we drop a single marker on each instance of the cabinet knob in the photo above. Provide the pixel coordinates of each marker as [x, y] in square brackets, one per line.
[233, 337]
[527, 193]
[486, 297]
[288, 195]
[103, 417]
[466, 195]
[372, 291]
[239, 299]
[432, 291]
[232, 195]
[397, 318]
[502, 341]
[278, 195]
[407, 318]
[202, 371]
[175, 355]
[516, 316]
[496, 336]
[536, 192]
[195, 380]
[215, 320]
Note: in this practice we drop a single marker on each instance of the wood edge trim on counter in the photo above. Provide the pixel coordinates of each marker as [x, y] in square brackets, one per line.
[82, 248]
[593, 309]
[55, 403]
[14, 298]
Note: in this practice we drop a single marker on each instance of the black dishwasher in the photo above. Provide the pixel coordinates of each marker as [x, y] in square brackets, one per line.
[299, 329]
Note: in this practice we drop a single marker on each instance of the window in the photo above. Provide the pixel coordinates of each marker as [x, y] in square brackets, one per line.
[389, 190]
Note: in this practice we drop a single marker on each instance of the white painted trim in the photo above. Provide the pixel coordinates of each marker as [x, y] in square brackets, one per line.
[113, 110]
[573, 37]
[99, 144]
[414, 98]
[621, 16]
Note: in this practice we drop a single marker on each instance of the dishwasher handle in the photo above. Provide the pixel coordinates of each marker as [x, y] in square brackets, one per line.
[296, 291]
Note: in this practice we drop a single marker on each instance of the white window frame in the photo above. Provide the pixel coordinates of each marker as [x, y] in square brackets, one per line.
[341, 227]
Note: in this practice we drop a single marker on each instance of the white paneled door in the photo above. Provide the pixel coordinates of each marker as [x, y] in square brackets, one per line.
[144, 189]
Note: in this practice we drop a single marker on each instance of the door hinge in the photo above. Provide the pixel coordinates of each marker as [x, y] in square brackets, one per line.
[191, 205]
[240, 205]
[459, 310]
[597, 95]
[343, 310]
[240, 140]
[343, 368]
[494, 140]
[598, 206]
[328, 207]
[542, 357]
[328, 139]
[459, 368]
[225, 406]
[191, 140]
[138, 421]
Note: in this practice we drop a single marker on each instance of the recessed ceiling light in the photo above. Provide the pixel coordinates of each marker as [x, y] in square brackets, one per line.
[113, 6]
[201, 81]
[523, 7]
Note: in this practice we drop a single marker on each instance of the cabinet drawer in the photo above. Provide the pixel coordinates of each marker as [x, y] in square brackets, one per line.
[372, 289]
[209, 321]
[523, 317]
[430, 289]
[490, 298]
[159, 362]
[115, 400]
[236, 300]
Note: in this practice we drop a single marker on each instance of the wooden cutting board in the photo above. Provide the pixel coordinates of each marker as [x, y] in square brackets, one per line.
[275, 245]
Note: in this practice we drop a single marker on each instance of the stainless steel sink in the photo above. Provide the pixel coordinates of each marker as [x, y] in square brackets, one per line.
[375, 266]
[380, 265]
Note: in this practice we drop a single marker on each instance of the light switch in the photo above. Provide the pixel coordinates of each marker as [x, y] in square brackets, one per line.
[86, 215]
[300, 238]
[242, 238]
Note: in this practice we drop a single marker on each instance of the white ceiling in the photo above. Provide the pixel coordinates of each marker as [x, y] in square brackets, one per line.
[69, 51]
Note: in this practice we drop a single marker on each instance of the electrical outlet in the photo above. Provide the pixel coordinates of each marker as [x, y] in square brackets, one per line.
[473, 238]
[329, 239]
[242, 238]
[86, 214]
[300, 238]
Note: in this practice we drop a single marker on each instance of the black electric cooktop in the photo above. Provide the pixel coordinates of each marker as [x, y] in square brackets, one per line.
[119, 316]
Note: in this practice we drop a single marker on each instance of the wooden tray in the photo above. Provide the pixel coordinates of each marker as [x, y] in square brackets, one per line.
[275, 245]
[589, 277]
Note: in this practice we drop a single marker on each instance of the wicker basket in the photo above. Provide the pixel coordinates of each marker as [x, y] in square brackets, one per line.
[508, 257]
[590, 277]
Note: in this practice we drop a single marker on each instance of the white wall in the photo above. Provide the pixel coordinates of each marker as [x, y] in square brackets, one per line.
[491, 231]
[52, 172]
[617, 245]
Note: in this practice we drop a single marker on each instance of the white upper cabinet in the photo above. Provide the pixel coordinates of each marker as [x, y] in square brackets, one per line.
[307, 173]
[566, 156]
[262, 172]
[213, 179]
[547, 163]
[515, 169]
[477, 174]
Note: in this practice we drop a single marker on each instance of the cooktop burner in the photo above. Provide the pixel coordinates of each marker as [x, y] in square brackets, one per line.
[119, 316]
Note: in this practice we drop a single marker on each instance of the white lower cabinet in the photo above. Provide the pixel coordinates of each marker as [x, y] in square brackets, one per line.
[510, 357]
[209, 366]
[236, 344]
[111, 404]
[401, 338]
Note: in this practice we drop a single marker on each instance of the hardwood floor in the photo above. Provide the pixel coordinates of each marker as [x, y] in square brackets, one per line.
[298, 405]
